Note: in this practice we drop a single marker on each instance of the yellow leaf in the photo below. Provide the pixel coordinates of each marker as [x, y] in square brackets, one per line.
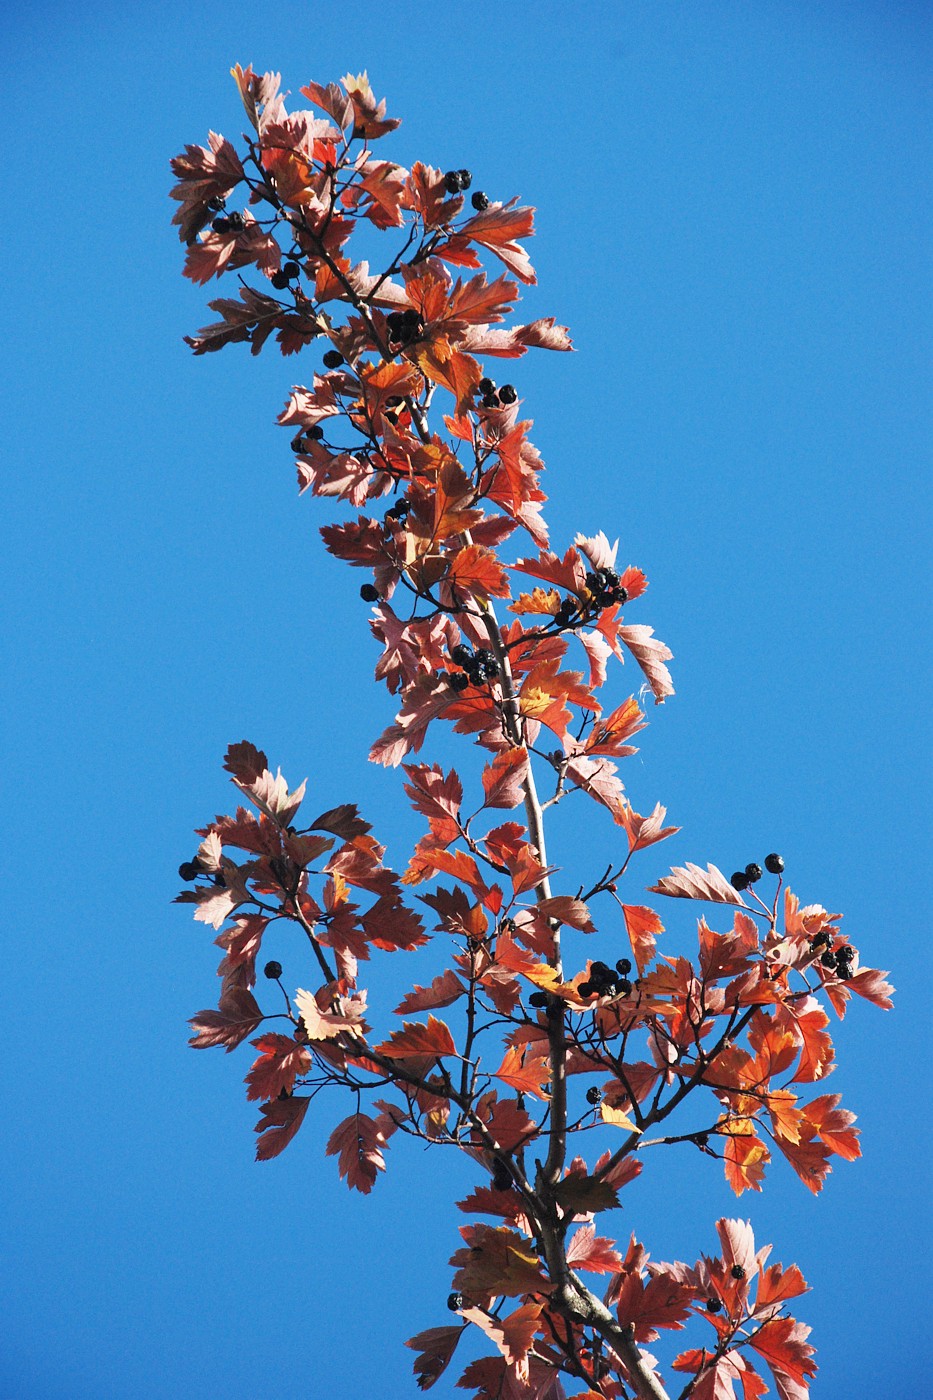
[617, 1118]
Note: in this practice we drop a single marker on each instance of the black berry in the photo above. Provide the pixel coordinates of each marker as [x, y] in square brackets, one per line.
[333, 359]
[369, 594]
[490, 401]
[586, 989]
[455, 1302]
[828, 959]
[452, 182]
[713, 1305]
[280, 281]
[463, 655]
[508, 394]
[538, 999]
[594, 1094]
[752, 872]
[466, 178]
[737, 1271]
[292, 270]
[480, 201]
[774, 863]
[458, 681]
[189, 870]
[739, 880]
[273, 970]
[501, 1177]
[235, 221]
[216, 203]
[221, 224]
[846, 954]
[487, 386]
[600, 972]
[624, 966]
[623, 986]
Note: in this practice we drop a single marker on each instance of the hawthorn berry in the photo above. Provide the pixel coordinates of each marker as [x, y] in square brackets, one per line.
[738, 880]
[292, 270]
[601, 973]
[369, 593]
[508, 393]
[216, 203]
[480, 201]
[235, 222]
[586, 989]
[280, 281]
[502, 1177]
[462, 655]
[623, 986]
[221, 224]
[624, 965]
[774, 863]
[713, 1305]
[594, 1094]
[452, 182]
[455, 1302]
[539, 999]
[487, 386]
[332, 359]
[829, 958]
[188, 870]
[458, 681]
[752, 872]
[737, 1271]
[490, 401]
[846, 954]
[466, 178]
[273, 970]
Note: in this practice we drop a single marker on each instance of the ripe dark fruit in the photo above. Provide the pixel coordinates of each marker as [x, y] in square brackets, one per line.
[624, 966]
[502, 1177]
[480, 201]
[508, 393]
[828, 959]
[594, 1094]
[221, 224]
[463, 655]
[458, 681]
[623, 986]
[292, 270]
[466, 178]
[333, 359]
[216, 203]
[752, 872]
[452, 182]
[188, 870]
[280, 281]
[601, 973]
[369, 594]
[586, 989]
[538, 999]
[846, 954]
[455, 1302]
[490, 401]
[273, 970]
[738, 880]
[774, 863]
[487, 386]
[713, 1305]
[737, 1271]
[235, 222]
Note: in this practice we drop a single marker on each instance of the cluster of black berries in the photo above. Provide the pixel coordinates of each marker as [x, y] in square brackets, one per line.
[404, 326]
[228, 223]
[288, 273]
[399, 511]
[605, 586]
[478, 666]
[456, 181]
[606, 982]
[839, 960]
[191, 869]
[741, 879]
[303, 440]
[496, 398]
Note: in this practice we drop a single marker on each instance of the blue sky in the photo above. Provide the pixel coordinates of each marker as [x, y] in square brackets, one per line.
[733, 206]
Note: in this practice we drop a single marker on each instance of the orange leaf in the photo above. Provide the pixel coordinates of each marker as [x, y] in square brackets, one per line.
[504, 778]
[525, 1072]
[642, 924]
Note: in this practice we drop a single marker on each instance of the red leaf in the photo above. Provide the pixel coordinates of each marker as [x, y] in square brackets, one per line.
[443, 991]
[782, 1342]
[435, 1347]
[567, 909]
[642, 924]
[525, 1072]
[476, 571]
[690, 882]
[279, 1123]
[433, 1039]
[238, 1016]
[497, 228]
[280, 1063]
[587, 1250]
[504, 778]
[650, 655]
[358, 1140]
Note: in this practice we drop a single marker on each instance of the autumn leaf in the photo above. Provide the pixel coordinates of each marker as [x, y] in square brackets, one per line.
[641, 925]
[236, 1018]
[433, 1039]
[579, 1194]
[497, 1262]
[504, 778]
[443, 991]
[525, 1072]
[280, 1063]
[357, 1143]
[436, 1346]
[279, 1123]
[690, 882]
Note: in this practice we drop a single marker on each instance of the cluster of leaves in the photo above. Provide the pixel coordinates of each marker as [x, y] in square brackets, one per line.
[582, 1048]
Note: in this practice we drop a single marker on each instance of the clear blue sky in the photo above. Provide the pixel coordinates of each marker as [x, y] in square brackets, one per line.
[733, 210]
